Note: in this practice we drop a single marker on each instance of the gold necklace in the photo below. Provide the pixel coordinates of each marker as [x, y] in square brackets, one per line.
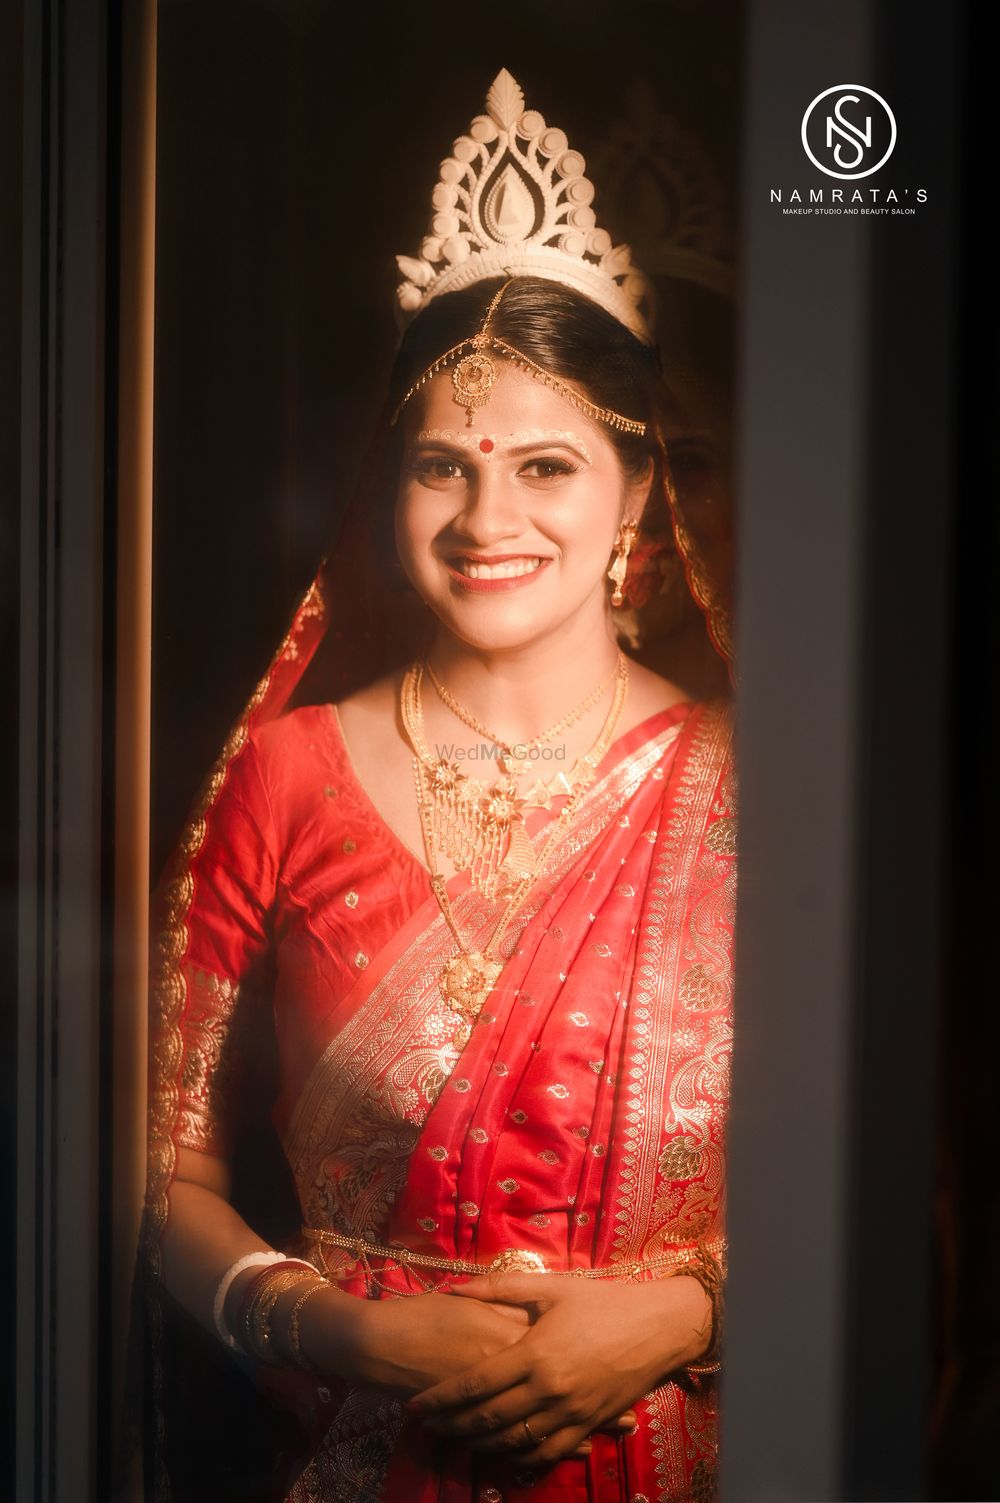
[514, 762]
[468, 977]
[480, 827]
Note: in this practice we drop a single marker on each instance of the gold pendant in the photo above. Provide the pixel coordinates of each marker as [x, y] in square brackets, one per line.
[467, 980]
[520, 861]
[473, 379]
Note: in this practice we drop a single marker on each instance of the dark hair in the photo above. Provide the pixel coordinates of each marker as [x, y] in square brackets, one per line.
[564, 332]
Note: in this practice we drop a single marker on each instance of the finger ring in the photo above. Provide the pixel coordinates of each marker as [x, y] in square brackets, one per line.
[533, 1439]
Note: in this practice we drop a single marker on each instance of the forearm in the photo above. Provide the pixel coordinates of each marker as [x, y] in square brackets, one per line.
[680, 1322]
[204, 1238]
[400, 1345]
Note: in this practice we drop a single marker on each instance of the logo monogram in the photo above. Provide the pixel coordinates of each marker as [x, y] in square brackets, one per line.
[847, 126]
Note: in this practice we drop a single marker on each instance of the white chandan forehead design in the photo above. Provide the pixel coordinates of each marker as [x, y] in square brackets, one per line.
[488, 443]
[512, 200]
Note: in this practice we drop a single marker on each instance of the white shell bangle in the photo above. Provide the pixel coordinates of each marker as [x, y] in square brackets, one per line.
[219, 1303]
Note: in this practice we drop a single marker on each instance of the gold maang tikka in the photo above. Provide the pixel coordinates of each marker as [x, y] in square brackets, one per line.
[624, 543]
[475, 375]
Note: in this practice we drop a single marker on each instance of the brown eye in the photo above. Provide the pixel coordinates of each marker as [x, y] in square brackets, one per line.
[438, 467]
[547, 469]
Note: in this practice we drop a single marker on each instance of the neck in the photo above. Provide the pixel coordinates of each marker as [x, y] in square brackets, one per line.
[520, 691]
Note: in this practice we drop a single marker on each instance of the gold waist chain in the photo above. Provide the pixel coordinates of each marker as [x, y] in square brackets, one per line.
[512, 1259]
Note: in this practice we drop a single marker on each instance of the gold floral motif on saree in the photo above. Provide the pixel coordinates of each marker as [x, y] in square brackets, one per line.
[682, 1426]
[350, 1462]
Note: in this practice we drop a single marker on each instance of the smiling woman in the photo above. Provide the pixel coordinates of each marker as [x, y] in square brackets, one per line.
[551, 507]
[499, 1006]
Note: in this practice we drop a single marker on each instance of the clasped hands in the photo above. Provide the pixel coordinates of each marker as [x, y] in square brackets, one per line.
[586, 1352]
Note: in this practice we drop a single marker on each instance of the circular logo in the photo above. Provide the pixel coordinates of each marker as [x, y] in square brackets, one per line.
[848, 131]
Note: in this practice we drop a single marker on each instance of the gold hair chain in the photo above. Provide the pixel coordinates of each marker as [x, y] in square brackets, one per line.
[475, 376]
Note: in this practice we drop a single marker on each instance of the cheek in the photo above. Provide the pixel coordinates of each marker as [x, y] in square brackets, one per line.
[585, 525]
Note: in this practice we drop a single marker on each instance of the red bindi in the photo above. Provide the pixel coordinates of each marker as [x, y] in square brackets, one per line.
[486, 445]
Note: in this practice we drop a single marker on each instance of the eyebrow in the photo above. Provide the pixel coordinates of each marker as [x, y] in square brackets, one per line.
[516, 453]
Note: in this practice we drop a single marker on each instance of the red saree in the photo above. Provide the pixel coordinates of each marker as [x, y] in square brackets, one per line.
[582, 1118]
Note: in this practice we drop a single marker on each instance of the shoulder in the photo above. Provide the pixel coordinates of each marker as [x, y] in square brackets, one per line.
[285, 757]
[302, 734]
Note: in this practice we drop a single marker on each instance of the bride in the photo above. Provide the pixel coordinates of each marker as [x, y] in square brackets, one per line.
[467, 868]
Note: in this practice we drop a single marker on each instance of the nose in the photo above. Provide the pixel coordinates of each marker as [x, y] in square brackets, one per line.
[491, 511]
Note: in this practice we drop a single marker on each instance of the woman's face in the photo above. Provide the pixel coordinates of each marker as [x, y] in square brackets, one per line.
[506, 528]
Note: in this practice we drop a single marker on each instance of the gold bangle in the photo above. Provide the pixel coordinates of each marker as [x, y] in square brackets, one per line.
[294, 1336]
[710, 1273]
[260, 1304]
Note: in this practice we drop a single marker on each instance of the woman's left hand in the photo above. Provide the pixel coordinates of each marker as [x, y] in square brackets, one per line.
[592, 1350]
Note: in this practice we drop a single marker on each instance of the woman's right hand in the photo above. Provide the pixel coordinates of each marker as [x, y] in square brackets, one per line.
[404, 1345]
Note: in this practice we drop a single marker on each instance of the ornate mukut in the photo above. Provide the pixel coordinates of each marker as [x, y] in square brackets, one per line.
[512, 199]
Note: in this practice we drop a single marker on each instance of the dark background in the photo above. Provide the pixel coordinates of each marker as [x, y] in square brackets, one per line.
[10, 441]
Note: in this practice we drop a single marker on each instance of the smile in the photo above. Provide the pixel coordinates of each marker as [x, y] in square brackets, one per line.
[505, 574]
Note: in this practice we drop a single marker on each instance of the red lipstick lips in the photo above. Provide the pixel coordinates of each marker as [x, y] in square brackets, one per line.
[484, 586]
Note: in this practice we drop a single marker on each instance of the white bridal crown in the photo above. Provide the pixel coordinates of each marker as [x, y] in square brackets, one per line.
[512, 199]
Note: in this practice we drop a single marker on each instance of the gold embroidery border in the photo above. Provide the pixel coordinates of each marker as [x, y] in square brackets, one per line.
[168, 993]
[676, 1423]
[682, 1438]
[658, 958]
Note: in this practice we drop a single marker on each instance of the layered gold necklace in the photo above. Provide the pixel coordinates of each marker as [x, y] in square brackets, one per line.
[480, 825]
[472, 823]
[516, 756]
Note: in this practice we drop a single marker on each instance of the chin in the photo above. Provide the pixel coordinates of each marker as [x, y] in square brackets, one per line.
[499, 636]
[486, 623]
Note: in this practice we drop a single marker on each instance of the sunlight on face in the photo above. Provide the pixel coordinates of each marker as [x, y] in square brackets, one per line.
[506, 528]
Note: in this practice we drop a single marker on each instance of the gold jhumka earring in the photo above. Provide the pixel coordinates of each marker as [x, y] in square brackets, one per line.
[624, 543]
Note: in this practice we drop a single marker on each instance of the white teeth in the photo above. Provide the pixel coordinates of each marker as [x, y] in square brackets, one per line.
[510, 570]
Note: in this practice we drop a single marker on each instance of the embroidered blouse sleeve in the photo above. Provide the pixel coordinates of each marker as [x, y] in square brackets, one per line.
[223, 897]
